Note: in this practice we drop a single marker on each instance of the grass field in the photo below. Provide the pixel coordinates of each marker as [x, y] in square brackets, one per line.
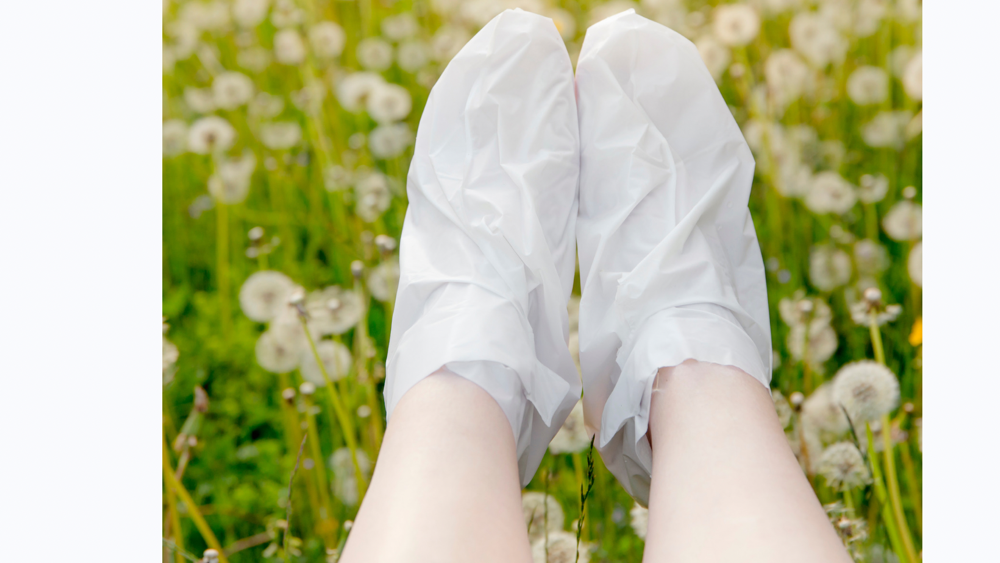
[288, 129]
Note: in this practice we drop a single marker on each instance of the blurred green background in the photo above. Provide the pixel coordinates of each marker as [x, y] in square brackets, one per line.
[288, 129]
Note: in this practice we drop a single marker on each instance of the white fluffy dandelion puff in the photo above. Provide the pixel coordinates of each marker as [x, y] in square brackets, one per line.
[541, 512]
[866, 389]
[843, 467]
[276, 353]
[211, 134]
[735, 24]
[333, 310]
[336, 360]
[640, 520]
[559, 547]
[573, 435]
[265, 294]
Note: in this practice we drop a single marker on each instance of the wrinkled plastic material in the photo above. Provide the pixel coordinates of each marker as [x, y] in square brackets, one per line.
[669, 261]
[487, 253]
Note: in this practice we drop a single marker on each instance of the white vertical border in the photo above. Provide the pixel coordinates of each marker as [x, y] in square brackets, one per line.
[961, 199]
[80, 288]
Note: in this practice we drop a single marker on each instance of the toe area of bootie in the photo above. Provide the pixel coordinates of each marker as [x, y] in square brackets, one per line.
[670, 264]
[487, 253]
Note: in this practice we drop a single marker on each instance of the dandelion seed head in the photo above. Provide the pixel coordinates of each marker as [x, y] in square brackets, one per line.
[175, 134]
[868, 85]
[915, 264]
[200, 100]
[388, 102]
[533, 505]
[333, 310]
[796, 399]
[250, 13]
[336, 360]
[787, 76]
[327, 39]
[276, 353]
[230, 183]
[400, 26]
[231, 90]
[390, 140]
[255, 59]
[904, 221]
[714, 54]
[872, 188]
[573, 435]
[337, 178]
[887, 129]
[913, 77]
[280, 135]
[265, 294]
[374, 54]
[384, 279]
[286, 14]
[817, 39]
[289, 49]
[866, 389]
[372, 196]
[843, 467]
[829, 267]
[357, 269]
[822, 414]
[211, 134]
[354, 89]
[830, 193]
[735, 25]
[447, 42]
[385, 243]
[640, 520]
[819, 341]
[559, 547]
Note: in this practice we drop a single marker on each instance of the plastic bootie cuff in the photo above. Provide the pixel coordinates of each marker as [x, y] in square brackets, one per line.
[487, 252]
[669, 260]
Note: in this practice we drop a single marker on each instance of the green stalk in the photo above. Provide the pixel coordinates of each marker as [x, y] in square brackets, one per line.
[174, 521]
[880, 494]
[199, 520]
[293, 435]
[338, 409]
[892, 481]
[362, 346]
[893, 485]
[876, 339]
[319, 463]
[913, 486]
[222, 266]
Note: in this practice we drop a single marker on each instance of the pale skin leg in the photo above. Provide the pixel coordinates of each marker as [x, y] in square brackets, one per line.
[446, 486]
[725, 485]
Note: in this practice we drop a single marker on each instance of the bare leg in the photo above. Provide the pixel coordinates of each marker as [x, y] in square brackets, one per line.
[445, 487]
[725, 485]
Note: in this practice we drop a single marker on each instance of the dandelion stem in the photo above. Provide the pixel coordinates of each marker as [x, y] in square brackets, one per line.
[326, 510]
[876, 338]
[892, 483]
[880, 494]
[174, 524]
[292, 433]
[222, 267]
[338, 409]
[913, 486]
[199, 520]
[288, 507]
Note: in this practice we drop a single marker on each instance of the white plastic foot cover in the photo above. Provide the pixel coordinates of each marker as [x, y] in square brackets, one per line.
[487, 253]
[669, 261]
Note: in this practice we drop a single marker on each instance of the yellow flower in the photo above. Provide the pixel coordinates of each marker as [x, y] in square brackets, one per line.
[917, 335]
